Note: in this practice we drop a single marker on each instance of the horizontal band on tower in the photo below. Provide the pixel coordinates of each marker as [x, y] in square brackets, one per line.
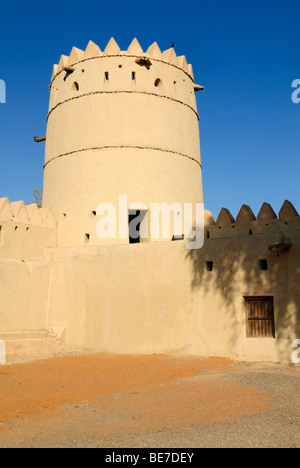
[122, 92]
[123, 147]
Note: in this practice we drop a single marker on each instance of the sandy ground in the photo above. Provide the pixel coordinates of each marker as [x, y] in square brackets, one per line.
[156, 401]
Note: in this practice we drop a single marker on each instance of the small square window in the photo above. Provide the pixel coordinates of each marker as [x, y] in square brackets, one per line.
[263, 264]
[177, 237]
[209, 266]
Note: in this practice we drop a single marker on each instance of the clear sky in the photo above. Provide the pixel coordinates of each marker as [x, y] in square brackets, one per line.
[245, 53]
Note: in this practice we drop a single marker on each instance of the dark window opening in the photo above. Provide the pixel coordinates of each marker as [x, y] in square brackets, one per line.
[178, 237]
[133, 76]
[94, 213]
[134, 227]
[260, 317]
[87, 237]
[106, 76]
[75, 86]
[209, 266]
[158, 83]
[263, 264]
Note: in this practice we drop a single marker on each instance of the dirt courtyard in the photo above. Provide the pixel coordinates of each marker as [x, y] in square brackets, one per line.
[112, 401]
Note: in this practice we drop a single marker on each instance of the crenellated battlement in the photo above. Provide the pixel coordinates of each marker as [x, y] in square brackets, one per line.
[246, 223]
[25, 230]
[18, 212]
[93, 74]
[134, 50]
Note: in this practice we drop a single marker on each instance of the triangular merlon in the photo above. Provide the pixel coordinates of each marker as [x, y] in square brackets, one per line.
[245, 216]
[19, 211]
[170, 56]
[34, 214]
[6, 213]
[92, 50]
[135, 48]
[288, 212]
[266, 214]
[75, 56]
[154, 51]
[62, 63]
[225, 218]
[48, 217]
[183, 63]
[112, 47]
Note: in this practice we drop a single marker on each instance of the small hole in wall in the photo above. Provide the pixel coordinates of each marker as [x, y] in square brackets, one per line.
[133, 76]
[250, 232]
[64, 215]
[158, 83]
[94, 213]
[207, 235]
[106, 74]
[75, 86]
[27, 229]
[120, 66]
[16, 228]
[209, 266]
[87, 238]
[263, 264]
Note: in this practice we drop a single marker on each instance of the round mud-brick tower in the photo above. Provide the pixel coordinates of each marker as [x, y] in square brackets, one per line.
[119, 123]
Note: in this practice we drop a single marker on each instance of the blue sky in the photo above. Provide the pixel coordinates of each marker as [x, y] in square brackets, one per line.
[245, 54]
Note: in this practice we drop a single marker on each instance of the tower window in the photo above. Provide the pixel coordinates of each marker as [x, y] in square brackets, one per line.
[106, 74]
[75, 86]
[133, 76]
[87, 238]
[134, 224]
[263, 264]
[158, 83]
[177, 237]
[209, 266]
